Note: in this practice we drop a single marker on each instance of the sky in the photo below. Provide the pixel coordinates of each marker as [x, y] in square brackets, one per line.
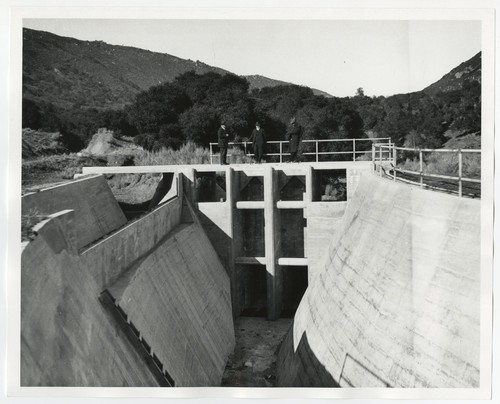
[336, 56]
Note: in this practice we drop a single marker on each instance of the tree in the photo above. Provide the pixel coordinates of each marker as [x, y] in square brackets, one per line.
[199, 124]
[157, 106]
[31, 117]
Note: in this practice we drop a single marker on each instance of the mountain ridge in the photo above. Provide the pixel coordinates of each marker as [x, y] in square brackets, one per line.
[465, 72]
[66, 71]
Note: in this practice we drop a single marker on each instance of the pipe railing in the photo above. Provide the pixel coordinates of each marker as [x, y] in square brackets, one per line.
[421, 174]
[356, 147]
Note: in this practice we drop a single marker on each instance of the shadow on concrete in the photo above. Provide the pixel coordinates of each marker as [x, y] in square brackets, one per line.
[133, 211]
[371, 375]
[253, 282]
[301, 368]
[218, 237]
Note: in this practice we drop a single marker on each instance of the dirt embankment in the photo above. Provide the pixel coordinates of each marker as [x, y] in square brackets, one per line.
[47, 161]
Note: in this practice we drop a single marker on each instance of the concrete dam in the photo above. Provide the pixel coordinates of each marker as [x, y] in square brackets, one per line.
[381, 278]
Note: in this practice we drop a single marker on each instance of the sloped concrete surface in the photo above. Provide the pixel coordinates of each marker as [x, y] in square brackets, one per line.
[397, 300]
[97, 212]
[178, 298]
[67, 338]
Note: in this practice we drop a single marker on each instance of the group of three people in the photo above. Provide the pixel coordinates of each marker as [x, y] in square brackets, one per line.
[258, 139]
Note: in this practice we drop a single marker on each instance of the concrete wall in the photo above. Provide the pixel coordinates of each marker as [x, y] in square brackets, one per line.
[397, 300]
[107, 259]
[323, 220]
[67, 337]
[179, 303]
[179, 299]
[215, 218]
[97, 212]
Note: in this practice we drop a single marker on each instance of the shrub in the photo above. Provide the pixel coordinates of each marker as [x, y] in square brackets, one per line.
[189, 153]
[446, 164]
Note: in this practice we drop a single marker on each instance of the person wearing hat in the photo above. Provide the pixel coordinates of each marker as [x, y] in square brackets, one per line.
[294, 135]
[258, 139]
[223, 141]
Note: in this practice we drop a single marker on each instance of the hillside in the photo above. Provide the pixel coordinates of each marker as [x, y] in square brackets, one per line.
[467, 72]
[258, 82]
[75, 87]
[69, 72]
[66, 71]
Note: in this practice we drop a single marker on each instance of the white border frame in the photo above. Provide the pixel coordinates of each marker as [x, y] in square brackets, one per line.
[14, 191]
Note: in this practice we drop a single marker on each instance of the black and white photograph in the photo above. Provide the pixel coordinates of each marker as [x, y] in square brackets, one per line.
[281, 202]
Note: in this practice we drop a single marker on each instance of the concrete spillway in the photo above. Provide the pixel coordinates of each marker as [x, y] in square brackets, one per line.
[385, 277]
[146, 305]
[396, 301]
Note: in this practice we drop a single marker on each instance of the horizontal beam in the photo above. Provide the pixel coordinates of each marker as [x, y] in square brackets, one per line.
[181, 168]
[290, 204]
[293, 262]
[250, 205]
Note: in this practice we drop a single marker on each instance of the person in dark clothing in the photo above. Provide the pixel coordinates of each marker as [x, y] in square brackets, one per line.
[294, 135]
[258, 139]
[223, 141]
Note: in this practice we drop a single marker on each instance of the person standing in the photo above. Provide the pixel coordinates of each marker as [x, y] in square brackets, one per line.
[258, 139]
[294, 134]
[223, 142]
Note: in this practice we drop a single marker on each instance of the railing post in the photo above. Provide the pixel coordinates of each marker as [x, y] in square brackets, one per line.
[459, 172]
[394, 156]
[317, 155]
[353, 149]
[211, 162]
[379, 160]
[281, 152]
[245, 145]
[421, 168]
[380, 165]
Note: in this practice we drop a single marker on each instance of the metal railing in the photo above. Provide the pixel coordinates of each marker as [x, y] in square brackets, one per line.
[356, 147]
[431, 180]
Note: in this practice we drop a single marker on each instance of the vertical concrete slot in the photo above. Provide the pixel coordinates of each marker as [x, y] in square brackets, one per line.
[253, 232]
[210, 186]
[294, 287]
[292, 187]
[253, 190]
[330, 185]
[254, 288]
[292, 233]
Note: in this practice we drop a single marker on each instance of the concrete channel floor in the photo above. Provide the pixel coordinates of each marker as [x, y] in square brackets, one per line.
[253, 362]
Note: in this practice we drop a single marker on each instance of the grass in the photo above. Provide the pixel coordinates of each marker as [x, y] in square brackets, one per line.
[45, 170]
[190, 153]
[55, 168]
[445, 164]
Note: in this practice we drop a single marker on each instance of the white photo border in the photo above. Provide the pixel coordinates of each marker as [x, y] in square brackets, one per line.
[486, 16]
